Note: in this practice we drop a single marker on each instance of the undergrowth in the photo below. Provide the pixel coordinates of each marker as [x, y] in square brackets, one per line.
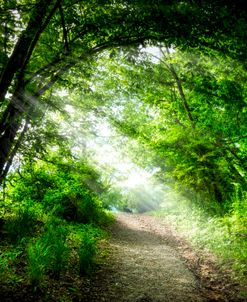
[224, 234]
[51, 224]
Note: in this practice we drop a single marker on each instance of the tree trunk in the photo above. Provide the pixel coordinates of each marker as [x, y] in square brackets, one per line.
[24, 47]
[14, 151]
[10, 126]
[12, 117]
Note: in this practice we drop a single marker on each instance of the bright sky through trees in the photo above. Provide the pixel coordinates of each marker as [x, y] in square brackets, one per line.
[104, 148]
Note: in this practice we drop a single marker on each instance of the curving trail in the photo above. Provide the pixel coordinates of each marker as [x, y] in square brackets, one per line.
[142, 267]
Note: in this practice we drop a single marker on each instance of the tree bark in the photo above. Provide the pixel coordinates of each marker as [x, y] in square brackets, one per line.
[14, 151]
[10, 126]
[24, 47]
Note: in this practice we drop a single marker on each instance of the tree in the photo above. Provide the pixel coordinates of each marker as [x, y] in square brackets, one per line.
[27, 75]
[204, 151]
[43, 40]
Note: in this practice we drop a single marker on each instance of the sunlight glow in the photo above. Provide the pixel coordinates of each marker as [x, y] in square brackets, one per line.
[62, 92]
[69, 108]
[136, 178]
[98, 140]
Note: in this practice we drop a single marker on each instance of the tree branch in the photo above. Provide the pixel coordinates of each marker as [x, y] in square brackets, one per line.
[65, 36]
[180, 89]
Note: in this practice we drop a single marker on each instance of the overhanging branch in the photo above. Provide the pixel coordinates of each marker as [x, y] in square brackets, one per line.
[65, 36]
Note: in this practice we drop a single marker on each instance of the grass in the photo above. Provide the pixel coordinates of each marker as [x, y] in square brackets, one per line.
[22, 222]
[223, 235]
[38, 262]
[56, 249]
[86, 253]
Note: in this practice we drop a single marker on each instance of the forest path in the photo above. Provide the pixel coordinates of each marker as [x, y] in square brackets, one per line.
[143, 266]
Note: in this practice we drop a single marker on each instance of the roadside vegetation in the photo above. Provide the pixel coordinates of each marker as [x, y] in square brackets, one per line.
[162, 83]
[223, 236]
[51, 226]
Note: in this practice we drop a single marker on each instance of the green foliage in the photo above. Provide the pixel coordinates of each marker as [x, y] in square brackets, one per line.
[54, 238]
[49, 253]
[38, 262]
[65, 191]
[114, 198]
[47, 212]
[8, 260]
[187, 109]
[83, 240]
[4, 269]
[86, 253]
[224, 236]
[22, 223]
[188, 112]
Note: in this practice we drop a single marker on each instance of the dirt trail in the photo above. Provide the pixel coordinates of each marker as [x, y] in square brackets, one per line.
[142, 267]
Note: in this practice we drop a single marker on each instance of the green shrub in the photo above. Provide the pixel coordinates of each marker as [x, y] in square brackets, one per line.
[105, 217]
[66, 200]
[73, 193]
[86, 253]
[73, 202]
[33, 184]
[39, 255]
[49, 253]
[4, 268]
[83, 239]
[55, 239]
[22, 224]
[8, 261]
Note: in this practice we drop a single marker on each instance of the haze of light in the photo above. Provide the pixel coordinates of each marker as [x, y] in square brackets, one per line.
[104, 147]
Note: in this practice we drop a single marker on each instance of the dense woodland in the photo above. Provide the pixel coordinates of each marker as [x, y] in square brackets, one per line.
[168, 77]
